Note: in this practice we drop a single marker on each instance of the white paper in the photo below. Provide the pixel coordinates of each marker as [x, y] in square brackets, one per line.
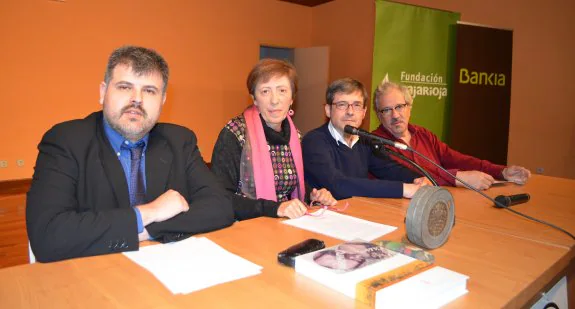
[341, 226]
[192, 264]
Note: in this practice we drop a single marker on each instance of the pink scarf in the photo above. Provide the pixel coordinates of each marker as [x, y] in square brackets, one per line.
[263, 173]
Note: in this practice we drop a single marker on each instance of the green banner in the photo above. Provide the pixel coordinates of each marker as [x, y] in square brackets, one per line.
[414, 46]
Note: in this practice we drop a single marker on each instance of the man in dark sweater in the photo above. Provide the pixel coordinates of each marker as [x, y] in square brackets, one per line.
[341, 162]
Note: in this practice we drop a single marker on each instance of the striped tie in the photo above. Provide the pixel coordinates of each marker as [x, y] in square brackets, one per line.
[136, 185]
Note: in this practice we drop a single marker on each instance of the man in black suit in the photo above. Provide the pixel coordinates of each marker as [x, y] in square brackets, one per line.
[103, 183]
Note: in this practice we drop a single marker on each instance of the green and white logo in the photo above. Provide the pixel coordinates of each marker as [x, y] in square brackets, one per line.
[414, 46]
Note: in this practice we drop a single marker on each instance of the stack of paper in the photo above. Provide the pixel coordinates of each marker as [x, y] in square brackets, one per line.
[341, 226]
[192, 264]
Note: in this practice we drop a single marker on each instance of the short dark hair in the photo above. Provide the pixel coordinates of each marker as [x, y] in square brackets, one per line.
[345, 85]
[268, 68]
[141, 60]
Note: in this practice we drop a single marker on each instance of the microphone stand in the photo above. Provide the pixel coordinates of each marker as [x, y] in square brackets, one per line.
[420, 212]
[379, 147]
[383, 141]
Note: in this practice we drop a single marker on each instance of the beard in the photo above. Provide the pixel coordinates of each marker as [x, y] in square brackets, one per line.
[133, 128]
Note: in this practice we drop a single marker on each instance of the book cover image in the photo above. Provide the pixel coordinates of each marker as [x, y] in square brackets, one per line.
[351, 256]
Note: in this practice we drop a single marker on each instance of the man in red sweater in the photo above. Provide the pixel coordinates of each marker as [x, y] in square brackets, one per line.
[393, 103]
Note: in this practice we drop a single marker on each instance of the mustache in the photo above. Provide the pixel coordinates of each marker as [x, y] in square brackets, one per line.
[136, 107]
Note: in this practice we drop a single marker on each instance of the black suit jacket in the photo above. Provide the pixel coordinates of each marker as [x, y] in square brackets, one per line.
[78, 203]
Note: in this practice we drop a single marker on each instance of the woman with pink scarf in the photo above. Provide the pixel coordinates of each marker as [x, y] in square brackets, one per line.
[258, 155]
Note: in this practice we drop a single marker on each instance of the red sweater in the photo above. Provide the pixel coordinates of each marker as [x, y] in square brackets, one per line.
[427, 143]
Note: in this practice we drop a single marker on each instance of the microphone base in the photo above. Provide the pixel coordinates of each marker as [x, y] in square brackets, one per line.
[430, 217]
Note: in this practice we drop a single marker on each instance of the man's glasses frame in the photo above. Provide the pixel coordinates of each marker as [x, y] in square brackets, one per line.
[398, 108]
[343, 106]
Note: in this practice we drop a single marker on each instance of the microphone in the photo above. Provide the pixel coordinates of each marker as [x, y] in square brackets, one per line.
[355, 131]
[510, 200]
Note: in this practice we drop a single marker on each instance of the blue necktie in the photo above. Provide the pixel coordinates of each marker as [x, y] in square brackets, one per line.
[136, 185]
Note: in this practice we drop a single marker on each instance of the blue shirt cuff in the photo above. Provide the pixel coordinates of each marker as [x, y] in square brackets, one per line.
[139, 218]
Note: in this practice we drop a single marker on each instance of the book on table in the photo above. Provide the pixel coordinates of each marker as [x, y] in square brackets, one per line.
[381, 277]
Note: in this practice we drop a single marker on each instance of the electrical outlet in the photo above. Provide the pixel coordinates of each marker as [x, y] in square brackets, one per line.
[3, 164]
[539, 170]
[20, 162]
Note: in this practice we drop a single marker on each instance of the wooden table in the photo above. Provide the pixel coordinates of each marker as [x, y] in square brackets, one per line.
[508, 259]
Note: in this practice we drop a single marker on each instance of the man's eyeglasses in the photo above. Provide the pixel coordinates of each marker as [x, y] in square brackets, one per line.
[398, 108]
[343, 106]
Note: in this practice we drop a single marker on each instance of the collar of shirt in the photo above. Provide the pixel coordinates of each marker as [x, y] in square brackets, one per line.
[413, 130]
[338, 138]
[118, 141]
